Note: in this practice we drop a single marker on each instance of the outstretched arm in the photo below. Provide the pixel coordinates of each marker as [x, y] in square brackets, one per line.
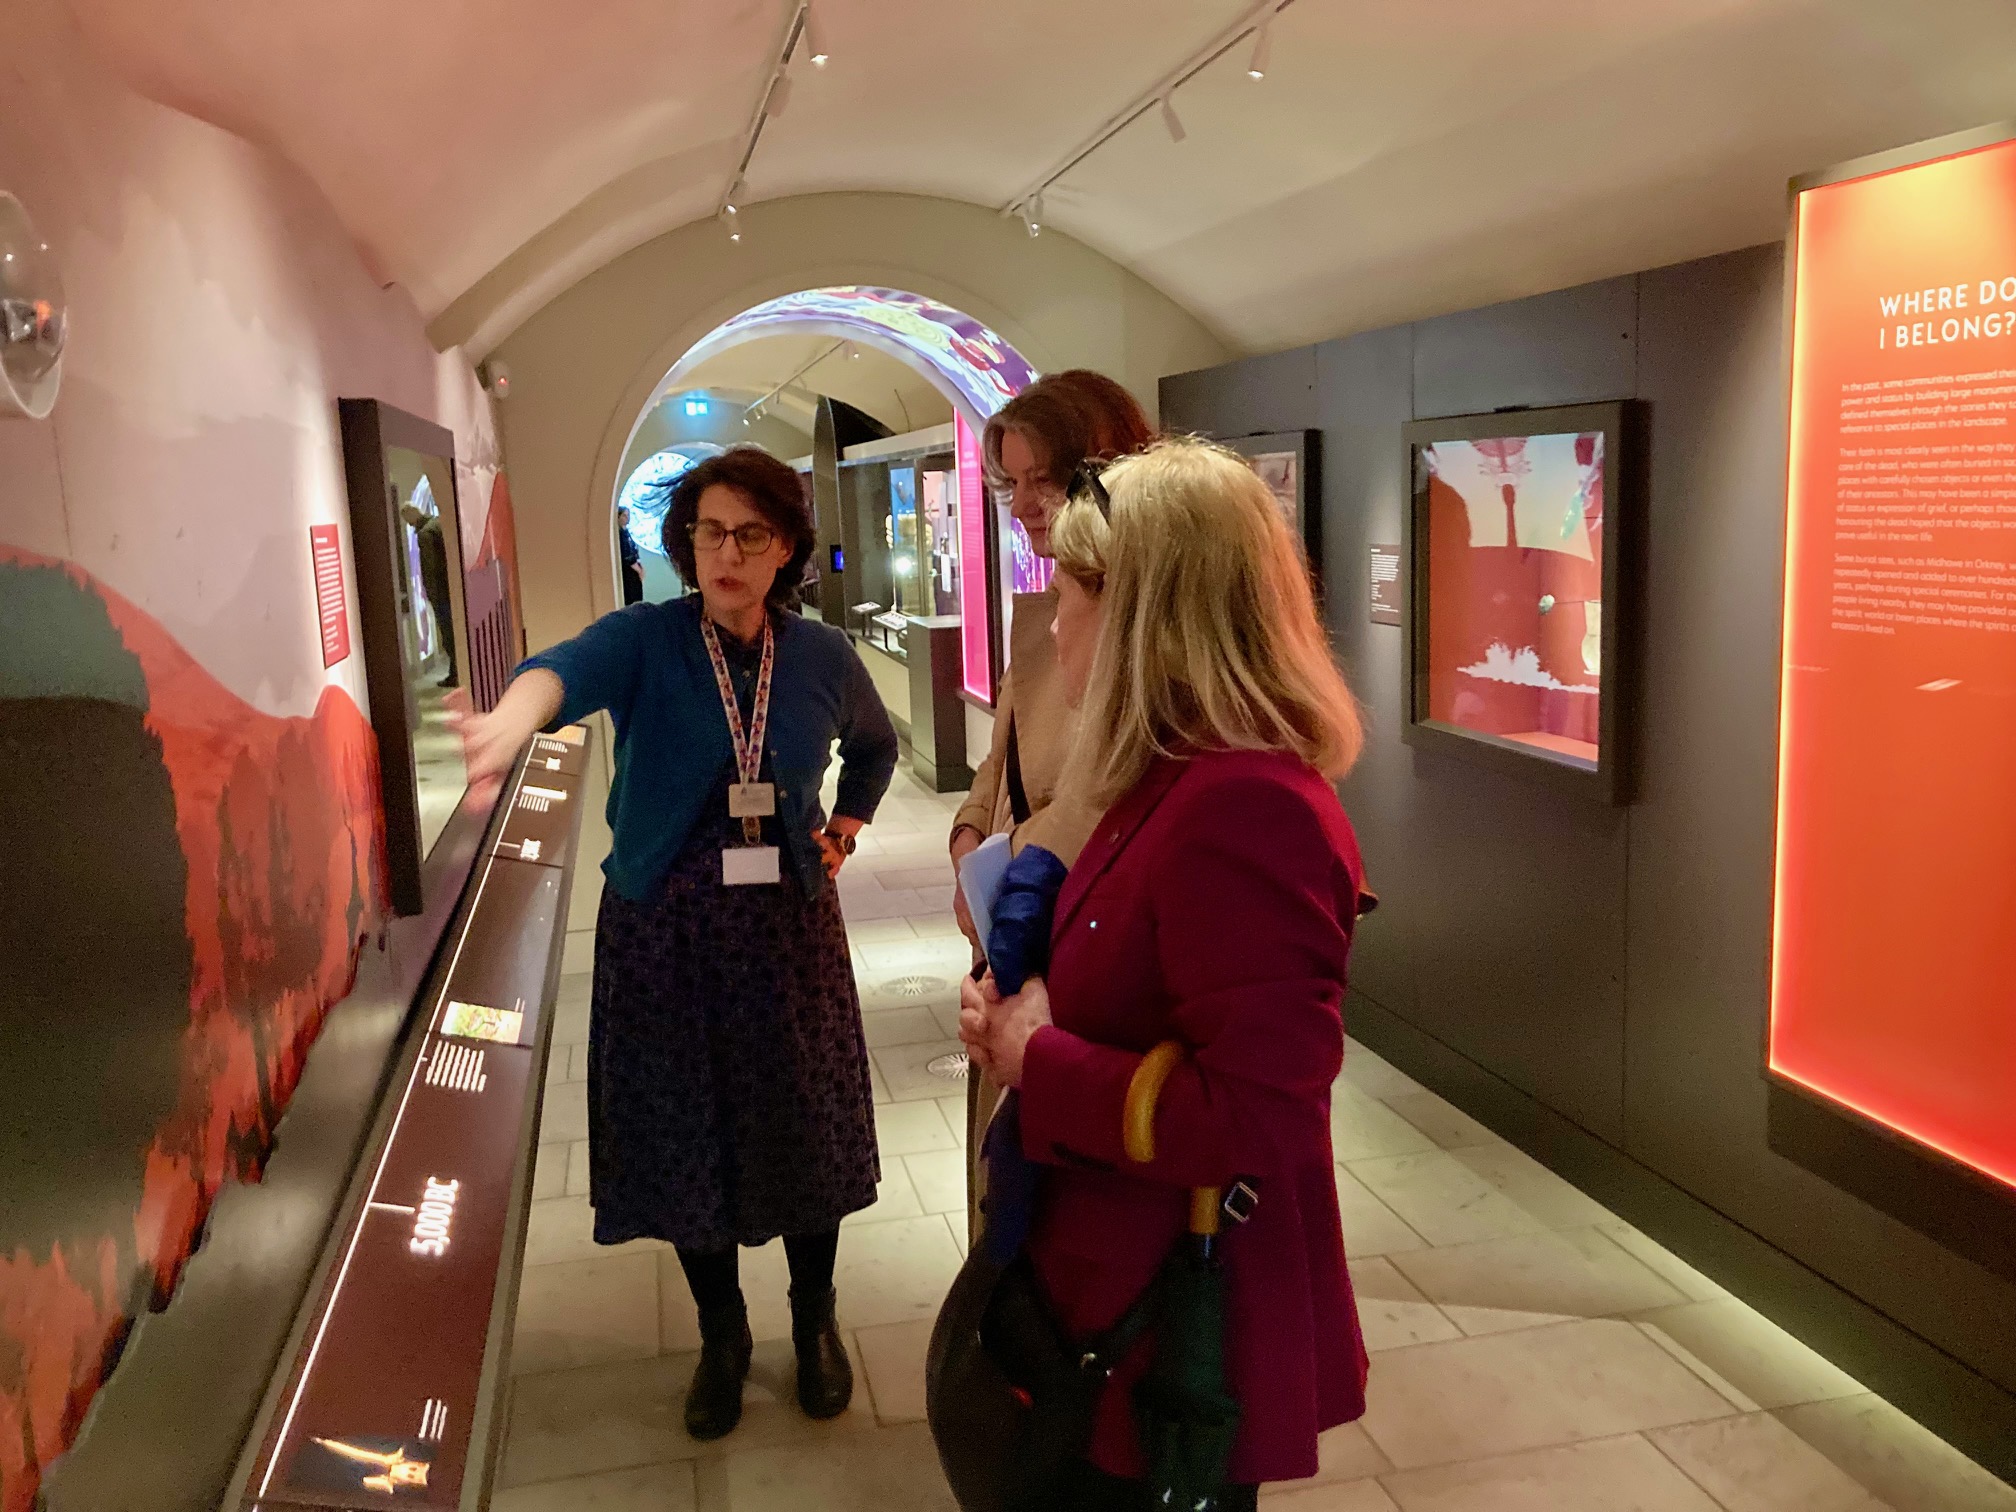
[597, 669]
[491, 742]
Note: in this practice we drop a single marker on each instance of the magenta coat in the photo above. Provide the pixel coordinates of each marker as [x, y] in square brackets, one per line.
[1214, 905]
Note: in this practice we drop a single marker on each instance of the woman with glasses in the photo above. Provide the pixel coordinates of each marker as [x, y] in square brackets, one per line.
[1033, 445]
[1213, 907]
[728, 1084]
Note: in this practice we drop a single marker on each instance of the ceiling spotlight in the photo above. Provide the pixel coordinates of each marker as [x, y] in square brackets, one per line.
[1263, 49]
[1028, 214]
[815, 38]
[1172, 120]
[780, 97]
[734, 194]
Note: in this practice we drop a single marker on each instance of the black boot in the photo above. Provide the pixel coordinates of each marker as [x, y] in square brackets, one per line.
[825, 1374]
[714, 1404]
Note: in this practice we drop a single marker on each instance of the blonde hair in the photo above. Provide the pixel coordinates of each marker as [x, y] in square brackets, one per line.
[1211, 639]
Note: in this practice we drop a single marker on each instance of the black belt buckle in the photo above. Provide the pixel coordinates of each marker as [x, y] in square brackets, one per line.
[1241, 1198]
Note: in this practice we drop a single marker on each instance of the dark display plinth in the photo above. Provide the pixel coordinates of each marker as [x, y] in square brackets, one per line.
[937, 709]
[392, 1385]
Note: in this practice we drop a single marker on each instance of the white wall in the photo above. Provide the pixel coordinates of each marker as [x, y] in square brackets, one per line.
[218, 309]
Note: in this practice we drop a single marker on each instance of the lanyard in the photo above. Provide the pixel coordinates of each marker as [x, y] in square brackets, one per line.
[749, 747]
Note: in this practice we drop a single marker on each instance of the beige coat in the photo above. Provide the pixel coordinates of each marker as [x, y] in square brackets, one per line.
[1031, 703]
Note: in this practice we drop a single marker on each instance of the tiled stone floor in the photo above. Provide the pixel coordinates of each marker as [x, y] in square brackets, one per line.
[1532, 1353]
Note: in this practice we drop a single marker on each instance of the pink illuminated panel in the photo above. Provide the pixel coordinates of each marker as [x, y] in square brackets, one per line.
[974, 619]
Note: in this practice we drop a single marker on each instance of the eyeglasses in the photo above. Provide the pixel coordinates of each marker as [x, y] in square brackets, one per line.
[1086, 487]
[710, 535]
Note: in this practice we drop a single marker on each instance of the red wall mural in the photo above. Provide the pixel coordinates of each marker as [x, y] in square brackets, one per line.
[187, 887]
[496, 632]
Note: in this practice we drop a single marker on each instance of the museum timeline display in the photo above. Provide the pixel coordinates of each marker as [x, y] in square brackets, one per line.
[1893, 951]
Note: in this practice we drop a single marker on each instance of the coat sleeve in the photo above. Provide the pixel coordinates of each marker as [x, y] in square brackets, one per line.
[868, 749]
[1252, 953]
[598, 669]
[982, 801]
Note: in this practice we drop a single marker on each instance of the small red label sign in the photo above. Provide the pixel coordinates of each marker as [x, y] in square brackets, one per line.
[326, 546]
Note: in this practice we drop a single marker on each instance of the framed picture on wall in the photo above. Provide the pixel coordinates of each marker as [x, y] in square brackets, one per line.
[411, 602]
[1288, 463]
[1518, 611]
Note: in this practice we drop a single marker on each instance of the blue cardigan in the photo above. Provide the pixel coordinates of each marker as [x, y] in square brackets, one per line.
[648, 666]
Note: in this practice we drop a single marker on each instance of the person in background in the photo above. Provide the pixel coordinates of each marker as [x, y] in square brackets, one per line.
[434, 582]
[633, 564]
[1214, 906]
[1033, 445]
[728, 1084]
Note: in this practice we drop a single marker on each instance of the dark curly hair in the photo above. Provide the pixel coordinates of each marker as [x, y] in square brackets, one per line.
[772, 488]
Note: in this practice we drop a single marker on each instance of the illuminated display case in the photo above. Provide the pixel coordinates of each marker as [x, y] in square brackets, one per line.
[1519, 602]
[908, 561]
[404, 523]
[1891, 1046]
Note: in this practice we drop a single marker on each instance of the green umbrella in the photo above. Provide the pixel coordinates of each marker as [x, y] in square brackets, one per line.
[1187, 1416]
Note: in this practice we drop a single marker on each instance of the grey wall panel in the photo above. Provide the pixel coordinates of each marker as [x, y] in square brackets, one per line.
[1700, 878]
[1520, 936]
[1566, 347]
[1246, 398]
[1517, 924]
[1501, 899]
[1611, 964]
[1364, 387]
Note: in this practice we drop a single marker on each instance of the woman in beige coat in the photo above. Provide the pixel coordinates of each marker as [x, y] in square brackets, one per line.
[1033, 445]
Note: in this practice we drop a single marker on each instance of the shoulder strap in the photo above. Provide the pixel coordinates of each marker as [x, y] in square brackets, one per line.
[1102, 1352]
[1018, 796]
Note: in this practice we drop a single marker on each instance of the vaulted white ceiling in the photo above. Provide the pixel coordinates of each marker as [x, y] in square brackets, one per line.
[1401, 157]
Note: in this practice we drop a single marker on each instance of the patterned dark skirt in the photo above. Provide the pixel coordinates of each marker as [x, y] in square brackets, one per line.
[728, 1092]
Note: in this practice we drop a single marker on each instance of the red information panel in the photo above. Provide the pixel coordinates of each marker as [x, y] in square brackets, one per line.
[326, 547]
[1894, 938]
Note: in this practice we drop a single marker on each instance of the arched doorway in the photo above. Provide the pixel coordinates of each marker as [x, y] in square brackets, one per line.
[975, 371]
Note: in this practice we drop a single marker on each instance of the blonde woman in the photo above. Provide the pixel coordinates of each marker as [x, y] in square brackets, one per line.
[1214, 905]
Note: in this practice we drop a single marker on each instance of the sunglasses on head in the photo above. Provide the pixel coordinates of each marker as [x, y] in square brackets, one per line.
[1086, 487]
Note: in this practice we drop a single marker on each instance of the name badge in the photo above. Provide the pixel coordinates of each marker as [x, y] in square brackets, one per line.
[750, 866]
[752, 800]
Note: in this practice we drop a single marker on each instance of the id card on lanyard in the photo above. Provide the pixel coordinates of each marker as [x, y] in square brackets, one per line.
[752, 863]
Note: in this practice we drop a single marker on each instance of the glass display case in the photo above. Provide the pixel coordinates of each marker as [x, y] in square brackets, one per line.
[400, 475]
[908, 553]
[906, 521]
[939, 492]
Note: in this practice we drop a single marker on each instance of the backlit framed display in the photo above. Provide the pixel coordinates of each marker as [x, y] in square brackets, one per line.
[1894, 917]
[1516, 594]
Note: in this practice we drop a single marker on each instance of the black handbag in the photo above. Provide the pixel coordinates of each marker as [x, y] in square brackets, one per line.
[1011, 1401]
